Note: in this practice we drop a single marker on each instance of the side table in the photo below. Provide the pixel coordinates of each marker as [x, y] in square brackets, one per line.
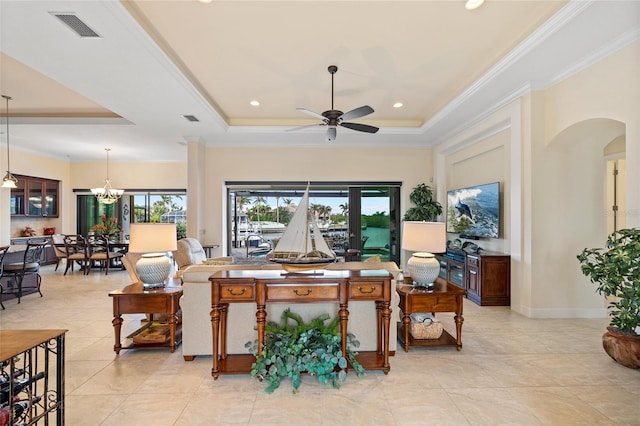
[445, 297]
[135, 299]
[208, 249]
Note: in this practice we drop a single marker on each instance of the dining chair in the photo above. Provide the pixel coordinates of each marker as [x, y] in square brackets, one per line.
[77, 252]
[59, 248]
[3, 251]
[30, 265]
[100, 251]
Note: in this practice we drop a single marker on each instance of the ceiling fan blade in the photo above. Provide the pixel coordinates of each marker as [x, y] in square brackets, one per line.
[309, 126]
[331, 134]
[311, 113]
[360, 127]
[356, 113]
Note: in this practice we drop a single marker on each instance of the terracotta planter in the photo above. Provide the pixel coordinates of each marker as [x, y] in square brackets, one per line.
[623, 348]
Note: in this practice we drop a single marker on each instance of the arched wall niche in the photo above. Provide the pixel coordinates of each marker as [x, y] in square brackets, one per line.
[569, 213]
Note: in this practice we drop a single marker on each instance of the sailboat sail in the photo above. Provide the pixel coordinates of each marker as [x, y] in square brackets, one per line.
[302, 245]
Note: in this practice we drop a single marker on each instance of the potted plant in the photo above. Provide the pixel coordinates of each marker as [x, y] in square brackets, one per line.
[314, 348]
[426, 208]
[616, 271]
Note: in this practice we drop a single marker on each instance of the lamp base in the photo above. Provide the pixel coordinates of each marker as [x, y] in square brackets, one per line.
[153, 269]
[424, 269]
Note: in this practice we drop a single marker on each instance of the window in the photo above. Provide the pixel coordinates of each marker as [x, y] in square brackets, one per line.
[351, 215]
[133, 208]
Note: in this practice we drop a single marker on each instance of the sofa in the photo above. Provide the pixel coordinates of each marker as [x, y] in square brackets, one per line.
[241, 319]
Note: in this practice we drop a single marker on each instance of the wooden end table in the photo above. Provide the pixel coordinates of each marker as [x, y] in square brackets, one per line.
[135, 299]
[445, 297]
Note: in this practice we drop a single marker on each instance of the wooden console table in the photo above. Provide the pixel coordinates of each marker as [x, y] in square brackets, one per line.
[135, 299]
[445, 297]
[268, 286]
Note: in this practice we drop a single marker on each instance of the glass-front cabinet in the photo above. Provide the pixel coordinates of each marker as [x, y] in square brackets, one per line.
[452, 269]
[35, 197]
[17, 201]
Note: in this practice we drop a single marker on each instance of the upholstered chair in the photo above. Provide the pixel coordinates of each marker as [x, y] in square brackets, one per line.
[190, 252]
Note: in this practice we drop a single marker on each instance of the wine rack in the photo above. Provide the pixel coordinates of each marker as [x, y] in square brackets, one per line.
[32, 377]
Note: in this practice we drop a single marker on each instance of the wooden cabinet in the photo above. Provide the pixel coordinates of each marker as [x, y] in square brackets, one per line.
[485, 276]
[35, 197]
[488, 279]
[452, 267]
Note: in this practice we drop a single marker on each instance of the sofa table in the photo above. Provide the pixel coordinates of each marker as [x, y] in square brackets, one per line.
[135, 299]
[272, 286]
[445, 297]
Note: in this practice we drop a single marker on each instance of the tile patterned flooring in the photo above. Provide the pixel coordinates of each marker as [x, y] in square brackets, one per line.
[511, 370]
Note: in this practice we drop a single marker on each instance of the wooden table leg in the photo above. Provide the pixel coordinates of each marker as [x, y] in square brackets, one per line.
[459, 320]
[406, 323]
[261, 316]
[172, 332]
[117, 326]
[386, 317]
[215, 334]
[343, 313]
[223, 330]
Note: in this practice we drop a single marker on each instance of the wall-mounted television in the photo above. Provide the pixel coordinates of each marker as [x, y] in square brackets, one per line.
[474, 212]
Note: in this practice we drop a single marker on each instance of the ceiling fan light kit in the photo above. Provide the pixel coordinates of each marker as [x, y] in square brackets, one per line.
[334, 118]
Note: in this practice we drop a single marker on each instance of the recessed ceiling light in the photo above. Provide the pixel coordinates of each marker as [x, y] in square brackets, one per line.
[254, 103]
[473, 4]
[397, 105]
[205, 1]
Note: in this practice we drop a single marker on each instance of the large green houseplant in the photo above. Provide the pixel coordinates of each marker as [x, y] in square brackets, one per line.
[426, 208]
[295, 347]
[616, 271]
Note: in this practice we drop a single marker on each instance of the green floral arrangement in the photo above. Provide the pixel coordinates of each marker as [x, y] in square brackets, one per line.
[294, 347]
[108, 226]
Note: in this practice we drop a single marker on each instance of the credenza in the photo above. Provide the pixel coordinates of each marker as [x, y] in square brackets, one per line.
[486, 276]
[273, 286]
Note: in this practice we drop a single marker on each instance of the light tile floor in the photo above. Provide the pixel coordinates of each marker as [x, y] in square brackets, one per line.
[511, 370]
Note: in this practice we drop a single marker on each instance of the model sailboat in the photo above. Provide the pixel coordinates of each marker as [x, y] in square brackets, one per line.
[302, 246]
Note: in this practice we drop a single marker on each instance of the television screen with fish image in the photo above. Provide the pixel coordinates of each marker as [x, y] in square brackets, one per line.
[474, 211]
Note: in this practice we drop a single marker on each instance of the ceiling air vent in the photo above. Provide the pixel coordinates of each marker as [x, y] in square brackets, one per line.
[76, 24]
[191, 117]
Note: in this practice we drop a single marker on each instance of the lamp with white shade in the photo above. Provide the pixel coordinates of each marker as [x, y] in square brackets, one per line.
[154, 240]
[424, 238]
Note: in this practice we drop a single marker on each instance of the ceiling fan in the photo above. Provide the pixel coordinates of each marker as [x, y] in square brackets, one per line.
[334, 118]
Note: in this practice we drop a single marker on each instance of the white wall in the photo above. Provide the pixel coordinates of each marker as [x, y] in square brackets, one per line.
[410, 166]
[556, 139]
[30, 164]
[81, 176]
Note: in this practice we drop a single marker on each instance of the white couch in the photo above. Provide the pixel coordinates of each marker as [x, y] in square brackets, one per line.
[241, 319]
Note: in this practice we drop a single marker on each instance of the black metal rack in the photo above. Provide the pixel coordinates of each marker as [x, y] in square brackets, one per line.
[31, 377]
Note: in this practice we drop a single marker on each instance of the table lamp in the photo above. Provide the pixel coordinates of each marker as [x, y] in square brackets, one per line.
[424, 238]
[154, 240]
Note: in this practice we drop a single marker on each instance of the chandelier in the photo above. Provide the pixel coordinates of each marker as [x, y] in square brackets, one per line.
[9, 180]
[107, 195]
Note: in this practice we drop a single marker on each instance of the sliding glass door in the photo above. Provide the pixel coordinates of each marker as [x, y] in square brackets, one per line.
[360, 216]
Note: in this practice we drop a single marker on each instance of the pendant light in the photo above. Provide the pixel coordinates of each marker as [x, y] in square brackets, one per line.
[107, 195]
[9, 180]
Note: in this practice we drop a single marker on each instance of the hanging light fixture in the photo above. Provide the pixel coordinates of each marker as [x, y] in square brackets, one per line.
[9, 180]
[107, 195]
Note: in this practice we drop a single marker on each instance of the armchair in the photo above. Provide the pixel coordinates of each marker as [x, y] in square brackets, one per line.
[191, 252]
